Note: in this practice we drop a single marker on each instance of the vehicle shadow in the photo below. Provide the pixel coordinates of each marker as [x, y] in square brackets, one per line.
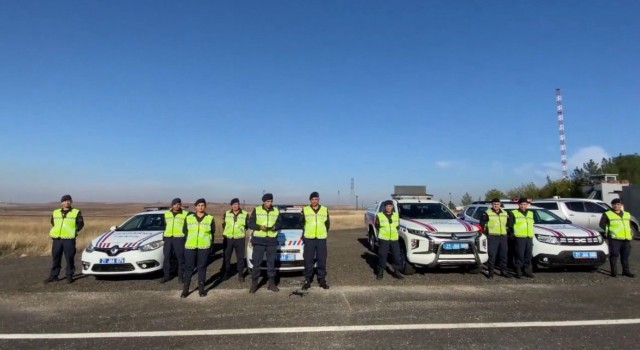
[143, 277]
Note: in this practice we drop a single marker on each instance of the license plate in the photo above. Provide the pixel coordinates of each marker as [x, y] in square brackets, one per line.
[286, 257]
[585, 255]
[112, 261]
[455, 246]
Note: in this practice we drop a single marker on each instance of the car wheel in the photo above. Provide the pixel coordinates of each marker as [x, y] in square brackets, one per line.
[372, 242]
[407, 267]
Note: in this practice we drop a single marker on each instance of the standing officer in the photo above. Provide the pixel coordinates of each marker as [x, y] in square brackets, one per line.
[494, 223]
[520, 224]
[315, 220]
[234, 225]
[265, 223]
[617, 226]
[66, 222]
[174, 230]
[387, 225]
[200, 229]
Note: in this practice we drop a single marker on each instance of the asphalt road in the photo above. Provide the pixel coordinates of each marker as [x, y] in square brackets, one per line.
[425, 300]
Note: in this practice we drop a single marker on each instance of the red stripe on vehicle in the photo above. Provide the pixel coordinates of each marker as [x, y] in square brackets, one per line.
[104, 238]
[558, 234]
[591, 233]
[428, 227]
[466, 225]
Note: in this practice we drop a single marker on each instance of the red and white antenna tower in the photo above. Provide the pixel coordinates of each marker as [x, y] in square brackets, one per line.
[563, 141]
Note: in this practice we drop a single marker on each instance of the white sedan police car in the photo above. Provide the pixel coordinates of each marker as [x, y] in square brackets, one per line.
[134, 247]
[557, 242]
[290, 244]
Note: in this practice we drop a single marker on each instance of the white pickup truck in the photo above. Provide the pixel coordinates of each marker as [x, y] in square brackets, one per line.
[430, 234]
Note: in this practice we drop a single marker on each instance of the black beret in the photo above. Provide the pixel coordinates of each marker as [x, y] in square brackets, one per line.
[387, 202]
[66, 197]
[495, 200]
[522, 200]
[267, 197]
[201, 200]
[176, 201]
[314, 195]
[616, 201]
[235, 200]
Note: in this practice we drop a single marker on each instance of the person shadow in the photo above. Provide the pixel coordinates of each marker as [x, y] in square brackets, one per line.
[371, 258]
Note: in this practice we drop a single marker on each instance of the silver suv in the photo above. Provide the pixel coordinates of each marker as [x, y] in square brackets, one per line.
[581, 211]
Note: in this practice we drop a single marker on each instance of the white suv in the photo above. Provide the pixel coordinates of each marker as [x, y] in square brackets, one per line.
[556, 242]
[581, 211]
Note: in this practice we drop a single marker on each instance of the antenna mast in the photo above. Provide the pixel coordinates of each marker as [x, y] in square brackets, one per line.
[563, 141]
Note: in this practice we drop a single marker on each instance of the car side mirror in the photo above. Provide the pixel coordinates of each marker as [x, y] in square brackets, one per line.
[113, 228]
[568, 221]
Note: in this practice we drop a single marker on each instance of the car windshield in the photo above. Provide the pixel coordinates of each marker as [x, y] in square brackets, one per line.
[291, 220]
[545, 217]
[143, 222]
[424, 211]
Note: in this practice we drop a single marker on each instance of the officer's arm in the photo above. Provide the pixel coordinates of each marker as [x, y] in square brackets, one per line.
[51, 220]
[213, 225]
[302, 219]
[185, 228]
[223, 221]
[376, 222]
[278, 224]
[252, 221]
[604, 221]
[327, 223]
[510, 221]
[484, 219]
[79, 222]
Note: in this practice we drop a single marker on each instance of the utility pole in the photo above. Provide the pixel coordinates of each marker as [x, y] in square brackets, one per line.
[563, 142]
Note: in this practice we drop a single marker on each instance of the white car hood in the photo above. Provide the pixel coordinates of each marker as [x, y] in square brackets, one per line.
[126, 239]
[290, 237]
[564, 230]
[438, 225]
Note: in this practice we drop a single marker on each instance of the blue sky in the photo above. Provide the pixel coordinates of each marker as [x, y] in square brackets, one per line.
[148, 100]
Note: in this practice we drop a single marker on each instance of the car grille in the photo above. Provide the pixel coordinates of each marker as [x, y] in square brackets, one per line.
[297, 263]
[295, 251]
[579, 240]
[112, 267]
[108, 250]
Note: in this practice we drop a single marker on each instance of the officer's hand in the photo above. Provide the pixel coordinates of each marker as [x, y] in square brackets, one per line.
[263, 228]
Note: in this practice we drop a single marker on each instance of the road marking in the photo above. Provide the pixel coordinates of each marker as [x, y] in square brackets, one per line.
[361, 328]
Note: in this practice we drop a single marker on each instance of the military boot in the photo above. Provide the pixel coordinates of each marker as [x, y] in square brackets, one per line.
[518, 273]
[528, 272]
[504, 273]
[201, 291]
[185, 290]
[165, 279]
[254, 285]
[272, 285]
[306, 285]
[379, 275]
[323, 284]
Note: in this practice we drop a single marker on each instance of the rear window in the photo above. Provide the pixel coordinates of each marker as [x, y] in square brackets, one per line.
[478, 213]
[546, 205]
[291, 220]
[575, 206]
[470, 211]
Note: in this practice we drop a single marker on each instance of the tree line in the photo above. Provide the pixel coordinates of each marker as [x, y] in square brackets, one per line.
[626, 166]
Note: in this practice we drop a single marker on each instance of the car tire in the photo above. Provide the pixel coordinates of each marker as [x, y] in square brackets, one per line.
[407, 267]
[371, 242]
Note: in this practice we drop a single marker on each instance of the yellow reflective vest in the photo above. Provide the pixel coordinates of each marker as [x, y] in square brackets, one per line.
[235, 225]
[266, 219]
[64, 226]
[174, 224]
[497, 224]
[199, 234]
[314, 223]
[388, 230]
[619, 227]
[523, 225]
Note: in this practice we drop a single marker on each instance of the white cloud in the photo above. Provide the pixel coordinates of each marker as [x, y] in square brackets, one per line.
[584, 155]
[444, 164]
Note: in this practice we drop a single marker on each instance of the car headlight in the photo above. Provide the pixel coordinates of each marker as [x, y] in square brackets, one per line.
[89, 248]
[547, 239]
[151, 246]
[411, 231]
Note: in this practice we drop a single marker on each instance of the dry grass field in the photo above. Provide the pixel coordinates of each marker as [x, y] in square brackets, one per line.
[24, 228]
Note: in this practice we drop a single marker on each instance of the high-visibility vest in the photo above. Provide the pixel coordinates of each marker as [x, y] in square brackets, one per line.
[388, 230]
[266, 219]
[64, 226]
[523, 225]
[198, 233]
[174, 224]
[497, 224]
[619, 227]
[234, 225]
[314, 223]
